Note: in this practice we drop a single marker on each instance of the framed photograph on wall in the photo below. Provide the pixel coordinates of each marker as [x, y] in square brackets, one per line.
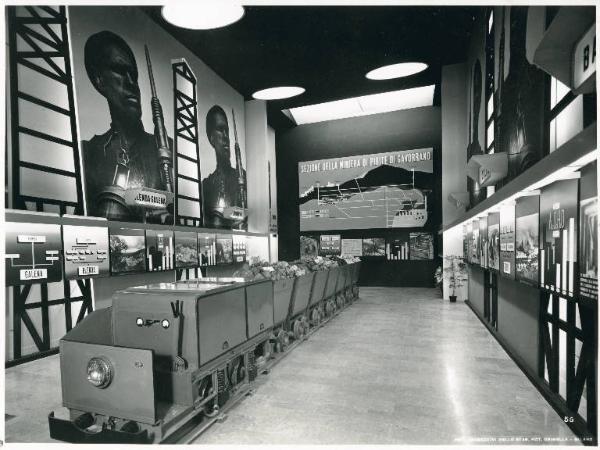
[373, 247]
[493, 241]
[507, 241]
[186, 250]
[558, 239]
[475, 242]
[527, 239]
[127, 250]
[421, 246]
[309, 246]
[483, 241]
[224, 246]
[588, 236]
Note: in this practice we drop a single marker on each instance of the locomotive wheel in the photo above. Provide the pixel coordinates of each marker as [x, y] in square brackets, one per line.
[329, 308]
[283, 340]
[305, 325]
[298, 330]
[340, 301]
[315, 317]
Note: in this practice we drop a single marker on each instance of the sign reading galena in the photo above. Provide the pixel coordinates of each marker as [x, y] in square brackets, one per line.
[149, 198]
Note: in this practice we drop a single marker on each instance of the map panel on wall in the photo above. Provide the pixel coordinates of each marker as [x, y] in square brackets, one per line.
[351, 247]
[493, 241]
[373, 247]
[475, 242]
[224, 246]
[159, 250]
[385, 190]
[483, 241]
[527, 238]
[558, 240]
[421, 246]
[397, 247]
[186, 250]
[127, 250]
[330, 244]
[588, 238]
[207, 249]
[86, 252]
[32, 253]
[507, 241]
[309, 246]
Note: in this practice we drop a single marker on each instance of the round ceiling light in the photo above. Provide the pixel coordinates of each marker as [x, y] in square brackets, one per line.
[396, 71]
[277, 93]
[202, 15]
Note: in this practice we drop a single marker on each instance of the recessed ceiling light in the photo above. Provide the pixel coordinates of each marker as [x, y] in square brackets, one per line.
[202, 15]
[396, 71]
[363, 106]
[276, 93]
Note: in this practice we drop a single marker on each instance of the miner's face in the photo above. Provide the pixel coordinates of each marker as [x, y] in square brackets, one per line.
[117, 80]
[219, 137]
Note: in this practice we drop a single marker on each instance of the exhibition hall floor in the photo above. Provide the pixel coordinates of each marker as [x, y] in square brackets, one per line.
[400, 366]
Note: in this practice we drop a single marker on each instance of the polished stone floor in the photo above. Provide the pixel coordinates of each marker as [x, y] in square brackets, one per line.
[398, 367]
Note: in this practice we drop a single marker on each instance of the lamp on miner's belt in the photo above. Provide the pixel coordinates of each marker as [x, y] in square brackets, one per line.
[129, 196]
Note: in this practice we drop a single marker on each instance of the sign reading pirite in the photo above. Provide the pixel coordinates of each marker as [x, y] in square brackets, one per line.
[384, 190]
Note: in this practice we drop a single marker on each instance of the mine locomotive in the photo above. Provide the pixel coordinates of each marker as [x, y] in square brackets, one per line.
[169, 355]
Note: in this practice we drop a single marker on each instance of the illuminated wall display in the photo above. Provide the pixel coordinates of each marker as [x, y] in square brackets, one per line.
[159, 250]
[397, 247]
[558, 236]
[85, 251]
[351, 247]
[483, 241]
[330, 244]
[127, 250]
[507, 241]
[309, 246]
[239, 248]
[186, 250]
[493, 241]
[465, 236]
[373, 247]
[475, 242]
[224, 245]
[384, 190]
[588, 238]
[527, 233]
[421, 246]
[207, 249]
[469, 244]
[32, 253]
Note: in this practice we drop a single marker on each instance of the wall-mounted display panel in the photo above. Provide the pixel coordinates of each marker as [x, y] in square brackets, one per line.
[483, 242]
[32, 253]
[507, 241]
[224, 246]
[330, 244]
[527, 238]
[475, 242]
[351, 247]
[309, 246]
[85, 251]
[397, 247]
[469, 244]
[493, 241]
[421, 246]
[159, 250]
[558, 240]
[588, 238]
[384, 190]
[239, 248]
[127, 250]
[207, 249]
[465, 242]
[186, 250]
[373, 247]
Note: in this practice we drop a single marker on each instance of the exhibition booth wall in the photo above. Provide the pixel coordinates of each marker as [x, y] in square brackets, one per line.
[326, 165]
[522, 212]
[97, 96]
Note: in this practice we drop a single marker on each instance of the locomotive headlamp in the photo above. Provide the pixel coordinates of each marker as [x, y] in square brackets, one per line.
[165, 324]
[99, 372]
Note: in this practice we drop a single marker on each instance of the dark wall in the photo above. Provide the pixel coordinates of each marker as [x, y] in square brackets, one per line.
[400, 130]
[476, 283]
